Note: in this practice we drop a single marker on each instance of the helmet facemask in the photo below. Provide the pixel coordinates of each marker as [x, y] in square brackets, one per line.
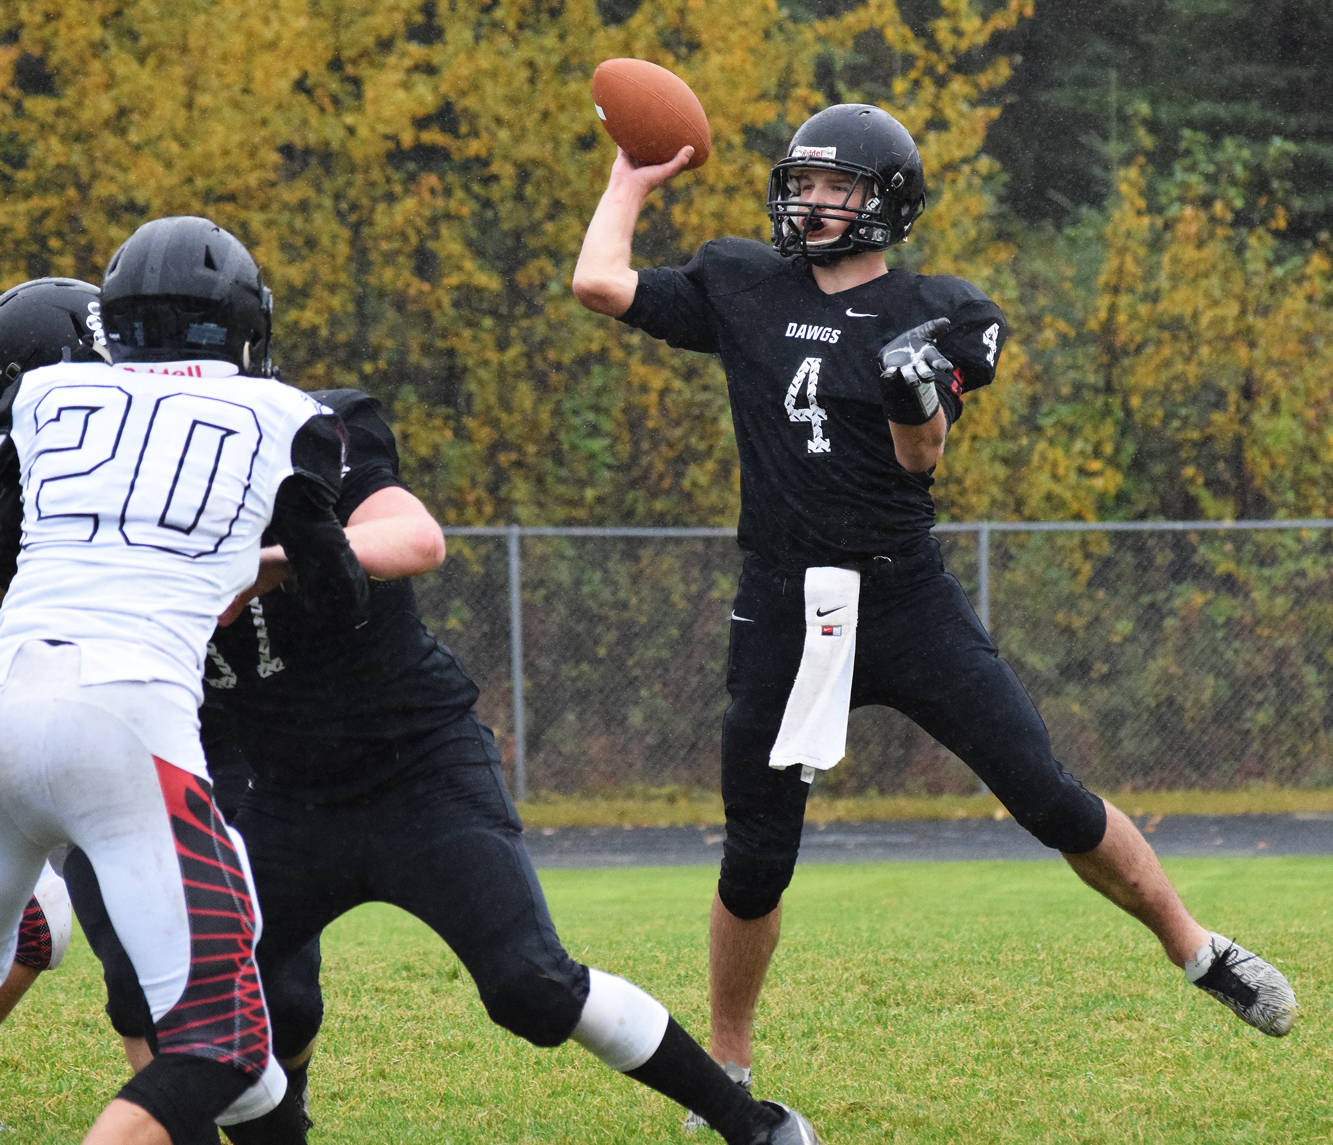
[797, 223]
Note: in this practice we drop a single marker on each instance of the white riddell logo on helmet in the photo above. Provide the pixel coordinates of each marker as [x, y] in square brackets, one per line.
[814, 153]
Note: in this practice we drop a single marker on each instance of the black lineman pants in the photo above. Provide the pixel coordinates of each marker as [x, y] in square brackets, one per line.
[442, 840]
[919, 649]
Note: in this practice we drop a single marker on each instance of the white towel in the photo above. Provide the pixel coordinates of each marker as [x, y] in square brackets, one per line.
[814, 724]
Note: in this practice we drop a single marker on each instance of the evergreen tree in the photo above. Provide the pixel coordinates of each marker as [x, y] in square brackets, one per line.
[1250, 69]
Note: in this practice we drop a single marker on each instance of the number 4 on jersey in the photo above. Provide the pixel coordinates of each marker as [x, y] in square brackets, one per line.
[807, 376]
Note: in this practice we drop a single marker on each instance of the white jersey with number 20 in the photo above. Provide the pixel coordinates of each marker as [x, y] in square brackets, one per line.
[146, 489]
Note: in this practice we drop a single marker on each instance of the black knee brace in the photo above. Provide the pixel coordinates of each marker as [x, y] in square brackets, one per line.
[752, 900]
[759, 852]
[185, 1093]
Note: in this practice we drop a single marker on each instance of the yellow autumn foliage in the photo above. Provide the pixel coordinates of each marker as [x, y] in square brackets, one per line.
[415, 178]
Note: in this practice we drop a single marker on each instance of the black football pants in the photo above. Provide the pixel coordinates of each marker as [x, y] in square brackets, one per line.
[920, 649]
[439, 838]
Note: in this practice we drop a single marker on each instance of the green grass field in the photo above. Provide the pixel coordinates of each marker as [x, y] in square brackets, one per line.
[927, 1003]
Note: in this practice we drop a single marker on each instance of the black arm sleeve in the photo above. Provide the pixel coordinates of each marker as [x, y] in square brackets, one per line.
[329, 579]
[11, 495]
[11, 527]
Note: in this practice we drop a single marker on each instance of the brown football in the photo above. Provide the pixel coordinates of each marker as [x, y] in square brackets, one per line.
[650, 111]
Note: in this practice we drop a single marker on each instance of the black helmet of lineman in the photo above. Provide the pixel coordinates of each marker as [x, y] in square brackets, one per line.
[867, 143]
[49, 320]
[182, 287]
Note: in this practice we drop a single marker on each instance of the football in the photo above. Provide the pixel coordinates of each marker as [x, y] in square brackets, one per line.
[649, 111]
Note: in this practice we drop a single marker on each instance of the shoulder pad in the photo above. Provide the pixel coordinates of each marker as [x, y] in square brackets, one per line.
[345, 402]
[947, 292]
[369, 437]
[731, 265]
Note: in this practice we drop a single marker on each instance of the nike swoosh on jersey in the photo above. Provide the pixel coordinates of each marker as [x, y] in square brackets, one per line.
[746, 619]
[858, 314]
[826, 611]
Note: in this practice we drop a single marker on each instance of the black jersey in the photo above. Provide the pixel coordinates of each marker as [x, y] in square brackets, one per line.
[279, 679]
[820, 484]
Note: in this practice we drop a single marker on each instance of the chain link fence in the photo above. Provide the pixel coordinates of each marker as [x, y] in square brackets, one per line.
[1162, 655]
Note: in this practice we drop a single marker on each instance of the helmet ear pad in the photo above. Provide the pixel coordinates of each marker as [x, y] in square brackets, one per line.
[868, 144]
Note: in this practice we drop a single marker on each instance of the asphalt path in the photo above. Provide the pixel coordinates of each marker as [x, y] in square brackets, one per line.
[927, 840]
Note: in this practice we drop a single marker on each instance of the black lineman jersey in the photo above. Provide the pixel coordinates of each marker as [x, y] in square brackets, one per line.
[820, 484]
[278, 679]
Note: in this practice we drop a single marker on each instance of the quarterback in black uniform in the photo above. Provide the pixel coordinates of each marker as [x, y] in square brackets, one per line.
[844, 378]
[374, 781]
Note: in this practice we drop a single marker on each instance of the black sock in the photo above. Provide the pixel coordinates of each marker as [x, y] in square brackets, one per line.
[285, 1125]
[683, 1071]
[298, 1081]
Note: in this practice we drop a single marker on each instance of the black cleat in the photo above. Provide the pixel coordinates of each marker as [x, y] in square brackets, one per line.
[793, 1129]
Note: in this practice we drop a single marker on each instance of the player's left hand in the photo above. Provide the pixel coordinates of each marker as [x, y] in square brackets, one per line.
[913, 363]
[913, 357]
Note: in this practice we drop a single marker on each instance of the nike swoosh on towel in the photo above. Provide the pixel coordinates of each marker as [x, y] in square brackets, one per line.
[826, 611]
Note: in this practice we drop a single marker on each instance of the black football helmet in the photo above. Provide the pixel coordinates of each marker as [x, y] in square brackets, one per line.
[49, 320]
[182, 287]
[862, 141]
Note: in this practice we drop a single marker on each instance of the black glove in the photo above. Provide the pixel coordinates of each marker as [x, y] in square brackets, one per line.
[910, 366]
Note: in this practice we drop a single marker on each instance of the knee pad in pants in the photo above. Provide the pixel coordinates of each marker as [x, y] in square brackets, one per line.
[1070, 819]
[540, 1008]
